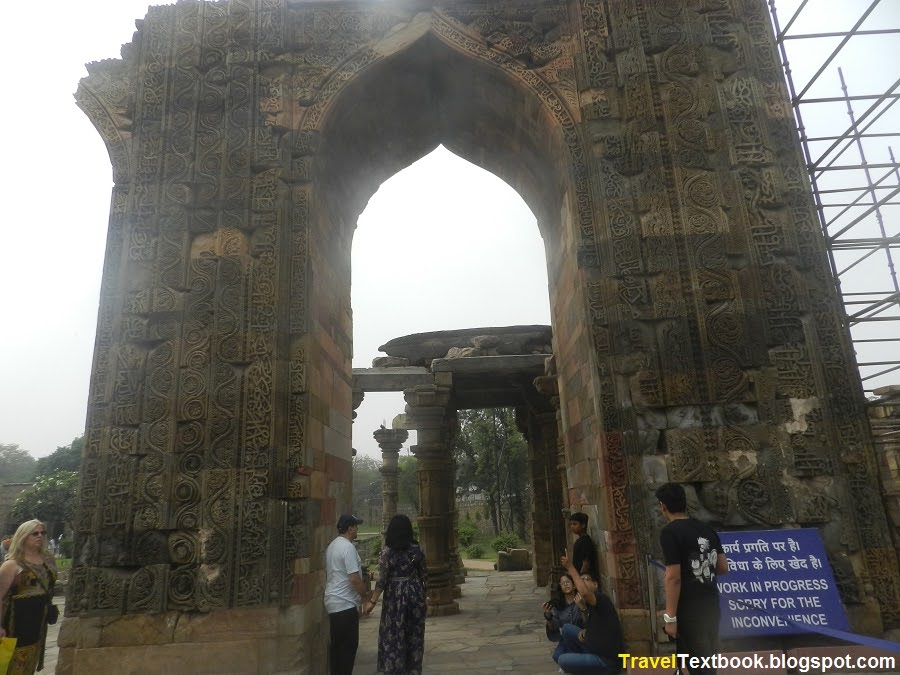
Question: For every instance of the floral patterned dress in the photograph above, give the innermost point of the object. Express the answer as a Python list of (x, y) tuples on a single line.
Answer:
[(401, 637), (25, 615)]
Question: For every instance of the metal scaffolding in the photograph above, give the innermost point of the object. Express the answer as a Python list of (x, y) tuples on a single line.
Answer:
[(842, 67)]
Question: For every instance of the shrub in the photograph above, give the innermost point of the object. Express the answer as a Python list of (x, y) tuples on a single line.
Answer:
[(506, 540), (475, 551), (466, 534), (65, 547)]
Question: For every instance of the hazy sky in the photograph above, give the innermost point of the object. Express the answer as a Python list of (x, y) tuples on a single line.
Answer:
[(471, 252)]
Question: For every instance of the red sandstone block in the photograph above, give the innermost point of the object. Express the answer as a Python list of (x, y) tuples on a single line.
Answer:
[(302, 589), (328, 512), (575, 500), (341, 398), (318, 488), (338, 469), (619, 542), (575, 433), (315, 434)]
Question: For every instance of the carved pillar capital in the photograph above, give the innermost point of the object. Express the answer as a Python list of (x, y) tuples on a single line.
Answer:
[(390, 441)]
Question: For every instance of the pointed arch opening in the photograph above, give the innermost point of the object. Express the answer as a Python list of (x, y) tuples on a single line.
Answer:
[(424, 92)]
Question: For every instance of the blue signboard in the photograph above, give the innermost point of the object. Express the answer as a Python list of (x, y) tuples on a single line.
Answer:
[(775, 575)]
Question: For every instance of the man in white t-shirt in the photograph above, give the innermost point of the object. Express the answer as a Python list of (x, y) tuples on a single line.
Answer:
[(344, 589)]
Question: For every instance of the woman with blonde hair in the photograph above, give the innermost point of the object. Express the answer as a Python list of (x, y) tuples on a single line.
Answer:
[(26, 596)]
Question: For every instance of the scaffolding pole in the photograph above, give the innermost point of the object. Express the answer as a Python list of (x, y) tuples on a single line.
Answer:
[(853, 172)]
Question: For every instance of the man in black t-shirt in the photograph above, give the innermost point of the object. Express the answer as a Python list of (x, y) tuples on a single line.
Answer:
[(584, 553), (694, 557), (596, 647)]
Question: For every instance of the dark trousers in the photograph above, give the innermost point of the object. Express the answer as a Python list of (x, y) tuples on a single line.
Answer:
[(344, 641), (698, 633)]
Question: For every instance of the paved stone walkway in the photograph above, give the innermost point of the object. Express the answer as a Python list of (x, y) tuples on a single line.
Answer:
[(500, 629), (52, 651)]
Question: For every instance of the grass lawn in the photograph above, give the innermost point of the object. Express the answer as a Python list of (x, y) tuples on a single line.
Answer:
[(63, 563), (483, 540)]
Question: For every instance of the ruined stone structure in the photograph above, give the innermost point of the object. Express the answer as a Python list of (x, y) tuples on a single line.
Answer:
[(439, 374), (696, 332)]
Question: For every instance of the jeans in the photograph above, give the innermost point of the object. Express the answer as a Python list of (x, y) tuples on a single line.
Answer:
[(344, 640), (572, 657)]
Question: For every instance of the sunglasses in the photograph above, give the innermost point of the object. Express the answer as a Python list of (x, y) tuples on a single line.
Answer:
[(42, 533)]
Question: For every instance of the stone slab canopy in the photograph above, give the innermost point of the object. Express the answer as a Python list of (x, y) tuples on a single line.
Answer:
[(470, 373), (697, 335), (422, 348), (490, 367)]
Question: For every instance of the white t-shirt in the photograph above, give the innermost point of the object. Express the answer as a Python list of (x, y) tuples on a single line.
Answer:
[(341, 560)]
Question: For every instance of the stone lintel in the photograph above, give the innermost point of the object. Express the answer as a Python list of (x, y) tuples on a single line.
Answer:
[(490, 398), (390, 379), (528, 364)]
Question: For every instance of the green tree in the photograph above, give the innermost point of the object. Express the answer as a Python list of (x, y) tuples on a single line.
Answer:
[(50, 499), (64, 458), (16, 465), (492, 459), (466, 533), (366, 485)]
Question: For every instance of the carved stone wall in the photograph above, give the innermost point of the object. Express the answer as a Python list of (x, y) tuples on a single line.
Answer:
[(697, 333)]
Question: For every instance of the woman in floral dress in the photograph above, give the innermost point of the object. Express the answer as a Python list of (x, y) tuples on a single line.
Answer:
[(402, 576), (26, 596)]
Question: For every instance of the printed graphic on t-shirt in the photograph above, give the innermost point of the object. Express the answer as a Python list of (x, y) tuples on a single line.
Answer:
[(703, 564)]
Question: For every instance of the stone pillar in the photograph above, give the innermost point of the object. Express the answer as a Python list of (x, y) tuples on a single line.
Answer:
[(547, 431), (538, 516), (429, 408), (459, 572), (549, 524), (390, 442)]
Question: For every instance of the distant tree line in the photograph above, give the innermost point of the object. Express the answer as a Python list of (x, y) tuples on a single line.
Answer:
[(491, 460), (52, 497)]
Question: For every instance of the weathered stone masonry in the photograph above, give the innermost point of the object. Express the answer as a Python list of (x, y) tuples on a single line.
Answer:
[(697, 334)]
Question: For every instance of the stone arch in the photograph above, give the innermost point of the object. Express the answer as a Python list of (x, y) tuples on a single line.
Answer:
[(698, 335), (432, 83), (422, 35)]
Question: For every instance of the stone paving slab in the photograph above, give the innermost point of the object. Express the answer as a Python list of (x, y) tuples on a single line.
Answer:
[(499, 629), (51, 652), (487, 637)]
